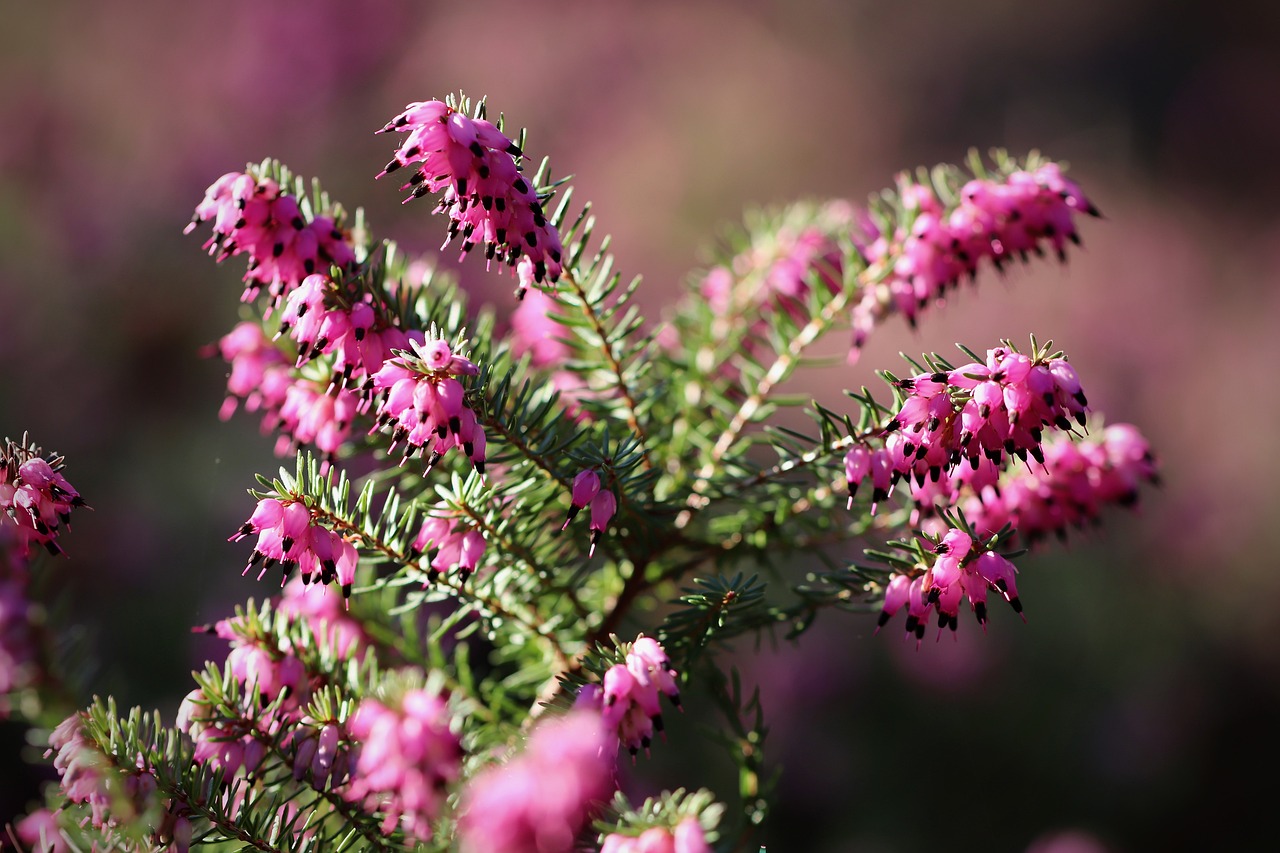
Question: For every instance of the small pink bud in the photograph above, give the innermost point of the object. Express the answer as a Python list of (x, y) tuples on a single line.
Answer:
[(603, 506), (585, 487)]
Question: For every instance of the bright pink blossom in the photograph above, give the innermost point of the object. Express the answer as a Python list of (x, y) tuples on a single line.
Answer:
[(455, 547), (933, 247), (408, 756), (288, 535), (628, 696), (424, 405), (476, 167), (251, 215), (543, 799)]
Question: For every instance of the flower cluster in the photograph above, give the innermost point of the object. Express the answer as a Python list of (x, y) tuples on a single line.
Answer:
[(424, 404), (777, 271), (456, 548), (322, 321), (288, 535), (1078, 479), (961, 569), (961, 416), (687, 837), (628, 696), (89, 776), (477, 168), (252, 215), (302, 409), (540, 801), (407, 756), (35, 499), (936, 246)]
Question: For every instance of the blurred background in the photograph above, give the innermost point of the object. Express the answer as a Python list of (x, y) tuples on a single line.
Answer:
[(1139, 704)]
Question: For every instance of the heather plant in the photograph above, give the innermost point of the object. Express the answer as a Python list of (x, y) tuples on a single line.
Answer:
[(511, 543)]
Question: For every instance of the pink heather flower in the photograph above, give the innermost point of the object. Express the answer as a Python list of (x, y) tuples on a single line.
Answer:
[(585, 488), (986, 410), (688, 837), (477, 168), (456, 547), (35, 499), (251, 215), (407, 757), (40, 833), (603, 506), (321, 321), (321, 753), (288, 535), (541, 800), (628, 697), (322, 610), (230, 743), (259, 371), (89, 776), (424, 404), (934, 246), (958, 573), (1080, 477)]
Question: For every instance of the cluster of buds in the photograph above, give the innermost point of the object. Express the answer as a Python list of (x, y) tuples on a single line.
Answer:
[(1078, 479), (321, 754), (288, 535), (936, 246), (961, 569), (777, 271), (35, 499), (89, 776), (587, 490), (302, 409), (321, 321), (264, 671), (456, 548), (543, 798), (407, 756), (330, 624), (477, 168), (424, 404), (993, 410), (253, 216), (687, 837), (628, 697)]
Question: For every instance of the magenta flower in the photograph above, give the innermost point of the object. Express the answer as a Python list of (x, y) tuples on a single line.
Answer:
[(35, 499), (456, 547), (959, 571), (687, 837), (253, 216), (543, 799), (628, 697), (477, 169), (937, 246), (290, 537), (424, 404), (585, 488), (408, 754), (603, 506)]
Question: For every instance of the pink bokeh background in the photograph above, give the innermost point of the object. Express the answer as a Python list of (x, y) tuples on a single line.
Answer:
[(1125, 716)]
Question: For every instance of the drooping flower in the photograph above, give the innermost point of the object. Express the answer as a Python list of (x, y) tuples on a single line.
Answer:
[(252, 215), (290, 536), (586, 485), (541, 800), (1078, 480), (959, 571), (934, 245), (476, 168), (456, 547), (408, 755), (35, 499), (628, 697), (424, 405)]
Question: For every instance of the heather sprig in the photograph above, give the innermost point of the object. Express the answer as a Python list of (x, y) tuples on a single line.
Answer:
[(485, 498)]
